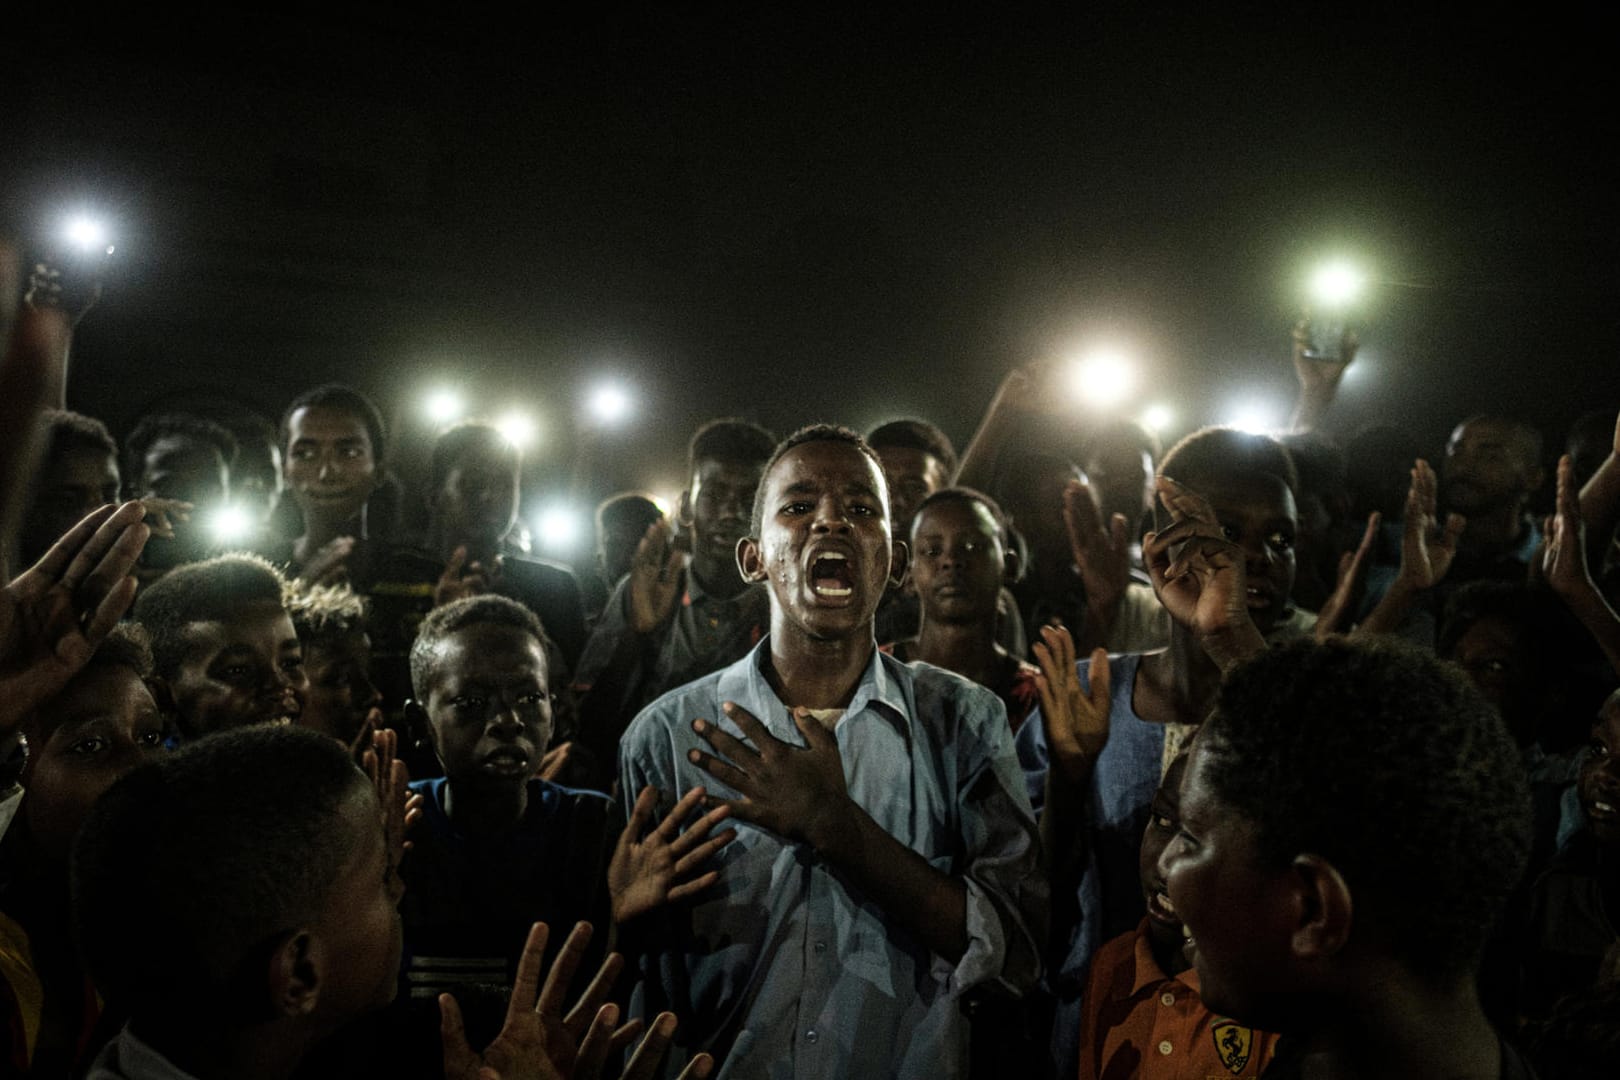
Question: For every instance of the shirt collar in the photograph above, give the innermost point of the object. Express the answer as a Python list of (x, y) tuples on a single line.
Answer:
[(1147, 972), (745, 683)]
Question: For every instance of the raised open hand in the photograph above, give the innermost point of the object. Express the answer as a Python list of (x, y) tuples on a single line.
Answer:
[(55, 614), (401, 807), (661, 866), (798, 792), (1075, 722), (1562, 559), (1352, 569), (655, 578), (1101, 552), (1199, 575), (538, 1040), (1427, 549)]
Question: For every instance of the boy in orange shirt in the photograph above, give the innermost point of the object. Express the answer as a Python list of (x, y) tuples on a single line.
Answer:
[(1142, 1016)]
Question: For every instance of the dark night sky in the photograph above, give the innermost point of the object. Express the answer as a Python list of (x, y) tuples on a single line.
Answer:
[(812, 216)]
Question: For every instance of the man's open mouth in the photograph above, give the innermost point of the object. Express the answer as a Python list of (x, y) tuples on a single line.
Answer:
[(831, 575)]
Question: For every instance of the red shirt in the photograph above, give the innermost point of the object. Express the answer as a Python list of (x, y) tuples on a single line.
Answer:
[(1139, 1022)]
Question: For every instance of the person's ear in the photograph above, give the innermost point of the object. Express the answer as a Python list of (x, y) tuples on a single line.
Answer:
[(1323, 910), (899, 563), (420, 727), (294, 975), (683, 509), (750, 562), (1012, 567)]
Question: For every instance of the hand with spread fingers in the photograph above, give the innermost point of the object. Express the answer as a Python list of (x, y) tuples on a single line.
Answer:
[(1341, 603), (538, 1040), (655, 578), (1102, 553), (1427, 548), (1199, 575), (797, 792), (662, 866), (55, 614), (1076, 722), (401, 807)]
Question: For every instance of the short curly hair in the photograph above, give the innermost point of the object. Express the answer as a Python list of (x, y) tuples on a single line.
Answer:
[(1210, 454), (809, 434), (1386, 762), (325, 613), (224, 843), (208, 591), (152, 428), (916, 435), (441, 622)]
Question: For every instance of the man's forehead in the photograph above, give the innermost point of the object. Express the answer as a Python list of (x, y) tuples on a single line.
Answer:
[(826, 462), (1250, 491), (955, 515), (322, 422), (908, 460), (726, 470)]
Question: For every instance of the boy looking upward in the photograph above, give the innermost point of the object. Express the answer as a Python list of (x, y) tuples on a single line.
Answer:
[(886, 861), (1353, 820), (224, 648)]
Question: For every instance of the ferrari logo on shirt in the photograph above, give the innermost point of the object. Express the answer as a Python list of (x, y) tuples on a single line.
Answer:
[(1234, 1043)]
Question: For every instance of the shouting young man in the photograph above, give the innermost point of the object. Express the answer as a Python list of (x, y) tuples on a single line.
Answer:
[(886, 862)]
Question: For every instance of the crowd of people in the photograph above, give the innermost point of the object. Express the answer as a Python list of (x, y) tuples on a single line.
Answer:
[(1069, 754)]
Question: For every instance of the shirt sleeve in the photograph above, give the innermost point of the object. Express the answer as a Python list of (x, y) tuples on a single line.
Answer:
[(1007, 901)]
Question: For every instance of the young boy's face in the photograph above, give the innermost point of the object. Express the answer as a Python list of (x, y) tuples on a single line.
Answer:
[(359, 928), (478, 502), (340, 691), (490, 706), (331, 464), (957, 563), (1599, 782), (1164, 819), (1256, 511), (102, 725), (720, 501), (1233, 906), (824, 545), (248, 670)]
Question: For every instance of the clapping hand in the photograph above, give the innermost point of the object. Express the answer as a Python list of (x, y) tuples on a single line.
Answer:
[(657, 867), (655, 578), (539, 1041), (1076, 722), (1427, 548)]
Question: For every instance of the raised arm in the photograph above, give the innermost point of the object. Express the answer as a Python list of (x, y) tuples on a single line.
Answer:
[(1427, 550), (1600, 503), (1318, 377), (1563, 566)]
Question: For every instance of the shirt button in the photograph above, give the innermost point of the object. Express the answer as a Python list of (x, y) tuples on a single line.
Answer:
[(821, 946), (811, 1036), (1165, 1048), (1168, 998)]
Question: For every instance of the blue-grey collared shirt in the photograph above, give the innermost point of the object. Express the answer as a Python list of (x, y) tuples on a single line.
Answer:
[(784, 969)]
